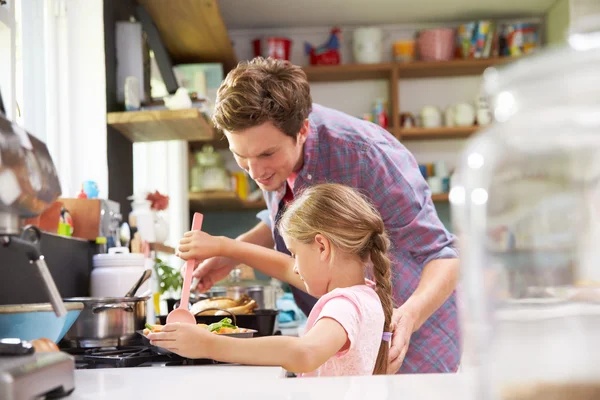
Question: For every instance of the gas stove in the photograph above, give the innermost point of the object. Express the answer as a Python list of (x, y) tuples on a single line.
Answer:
[(129, 357), (136, 353)]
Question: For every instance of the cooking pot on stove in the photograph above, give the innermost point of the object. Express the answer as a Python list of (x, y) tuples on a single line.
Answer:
[(106, 321)]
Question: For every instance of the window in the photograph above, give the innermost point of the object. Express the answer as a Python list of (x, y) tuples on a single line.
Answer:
[(54, 85), (7, 52)]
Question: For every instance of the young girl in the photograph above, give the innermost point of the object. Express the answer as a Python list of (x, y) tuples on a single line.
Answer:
[(332, 233)]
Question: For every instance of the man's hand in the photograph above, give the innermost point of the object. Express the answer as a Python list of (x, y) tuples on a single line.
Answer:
[(187, 340), (206, 250), (211, 271), (403, 323)]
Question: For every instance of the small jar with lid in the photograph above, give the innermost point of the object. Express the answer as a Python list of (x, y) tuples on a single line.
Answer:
[(114, 273)]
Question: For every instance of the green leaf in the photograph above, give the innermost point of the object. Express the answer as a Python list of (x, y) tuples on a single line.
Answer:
[(224, 323), (168, 277)]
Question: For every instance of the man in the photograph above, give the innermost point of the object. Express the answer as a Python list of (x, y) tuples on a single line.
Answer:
[(286, 143)]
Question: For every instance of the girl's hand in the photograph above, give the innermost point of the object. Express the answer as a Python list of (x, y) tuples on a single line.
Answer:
[(200, 246), (187, 340)]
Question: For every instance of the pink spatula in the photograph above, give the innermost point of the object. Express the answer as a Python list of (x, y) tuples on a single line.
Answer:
[(182, 314)]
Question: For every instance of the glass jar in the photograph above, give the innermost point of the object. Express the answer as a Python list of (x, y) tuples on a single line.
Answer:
[(209, 173), (526, 207)]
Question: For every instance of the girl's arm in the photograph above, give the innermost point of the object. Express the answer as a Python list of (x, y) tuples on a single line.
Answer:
[(200, 246), (305, 354)]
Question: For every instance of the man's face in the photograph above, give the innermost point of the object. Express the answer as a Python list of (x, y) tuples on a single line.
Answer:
[(268, 154)]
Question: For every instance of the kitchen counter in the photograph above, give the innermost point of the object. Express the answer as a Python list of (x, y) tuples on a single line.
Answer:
[(258, 383)]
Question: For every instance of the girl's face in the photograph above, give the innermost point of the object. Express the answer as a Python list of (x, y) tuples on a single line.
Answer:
[(312, 263)]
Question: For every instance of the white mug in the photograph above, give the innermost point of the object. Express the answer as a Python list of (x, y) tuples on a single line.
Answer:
[(367, 45), (431, 117), (441, 169), (435, 184), (464, 114)]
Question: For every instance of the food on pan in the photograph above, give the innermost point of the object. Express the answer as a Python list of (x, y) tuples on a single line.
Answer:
[(222, 327), (152, 328), (243, 305)]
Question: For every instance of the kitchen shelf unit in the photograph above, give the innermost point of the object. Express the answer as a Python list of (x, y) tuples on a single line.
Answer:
[(440, 197), (162, 248), (155, 125), (435, 133), (393, 72)]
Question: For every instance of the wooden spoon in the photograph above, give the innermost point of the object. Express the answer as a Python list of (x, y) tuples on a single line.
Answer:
[(182, 314)]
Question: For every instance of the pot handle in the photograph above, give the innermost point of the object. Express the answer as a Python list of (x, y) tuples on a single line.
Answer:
[(107, 307)]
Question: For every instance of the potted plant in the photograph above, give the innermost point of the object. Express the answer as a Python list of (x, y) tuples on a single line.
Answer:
[(169, 281)]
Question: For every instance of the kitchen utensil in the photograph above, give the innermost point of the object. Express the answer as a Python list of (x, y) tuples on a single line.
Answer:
[(248, 334), (182, 314), (262, 321), (36, 376), (106, 322), (36, 321), (145, 276), (264, 295), (436, 44), (367, 45), (113, 274), (159, 350)]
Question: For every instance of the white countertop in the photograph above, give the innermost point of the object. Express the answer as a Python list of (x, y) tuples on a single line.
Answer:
[(258, 383)]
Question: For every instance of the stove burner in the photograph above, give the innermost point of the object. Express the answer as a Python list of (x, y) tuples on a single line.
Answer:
[(101, 343), (128, 357)]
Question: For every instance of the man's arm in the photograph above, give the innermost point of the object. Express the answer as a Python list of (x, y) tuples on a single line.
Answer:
[(260, 235), (391, 177), (394, 183), (212, 270), (438, 281), (268, 261)]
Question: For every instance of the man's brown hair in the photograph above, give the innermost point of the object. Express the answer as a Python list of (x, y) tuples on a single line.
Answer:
[(260, 91)]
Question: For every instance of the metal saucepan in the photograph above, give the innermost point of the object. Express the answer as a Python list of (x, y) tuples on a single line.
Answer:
[(107, 321)]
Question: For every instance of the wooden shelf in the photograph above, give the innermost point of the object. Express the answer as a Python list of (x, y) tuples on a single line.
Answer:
[(199, 34), (161, 248), (435, 133), (440, 197), (460, 67), (348, 72), (417, 69), (222, 201), (155, 125)]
